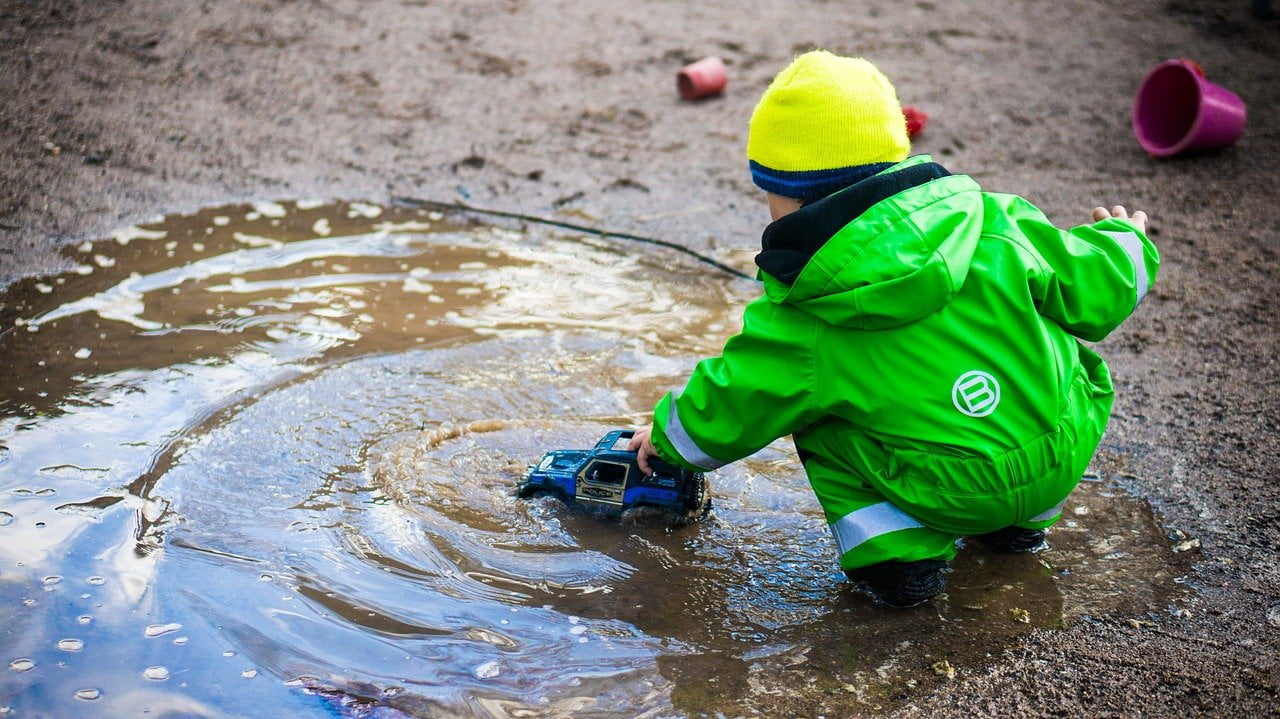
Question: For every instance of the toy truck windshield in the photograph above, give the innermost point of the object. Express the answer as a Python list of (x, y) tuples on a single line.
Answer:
[(563, 460)]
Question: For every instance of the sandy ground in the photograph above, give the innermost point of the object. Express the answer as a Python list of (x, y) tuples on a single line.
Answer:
[(113, 112)]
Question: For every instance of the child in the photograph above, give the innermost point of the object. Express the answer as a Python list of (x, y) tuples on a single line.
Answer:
[(916, 337)]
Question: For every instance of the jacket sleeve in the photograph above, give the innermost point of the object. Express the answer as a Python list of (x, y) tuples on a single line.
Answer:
[(759, 389), (1094, 276)]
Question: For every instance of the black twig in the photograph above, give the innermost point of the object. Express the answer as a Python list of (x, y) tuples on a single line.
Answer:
[(457, 206)]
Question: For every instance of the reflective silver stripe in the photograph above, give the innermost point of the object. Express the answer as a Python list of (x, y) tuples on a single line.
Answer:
[(870, 522), (685, 445), (1132, 247), (1049, 513)]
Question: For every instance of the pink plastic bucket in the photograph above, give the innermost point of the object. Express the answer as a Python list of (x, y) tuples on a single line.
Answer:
[(1177, 109), (703, 78)]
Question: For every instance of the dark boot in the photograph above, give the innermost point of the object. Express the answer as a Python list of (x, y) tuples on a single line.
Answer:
[(902, 584), (1014, 539)]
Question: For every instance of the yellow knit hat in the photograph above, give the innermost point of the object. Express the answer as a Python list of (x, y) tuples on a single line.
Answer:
[(821, 115)]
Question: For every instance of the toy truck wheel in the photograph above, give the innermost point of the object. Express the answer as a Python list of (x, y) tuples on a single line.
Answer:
[(698, 500)]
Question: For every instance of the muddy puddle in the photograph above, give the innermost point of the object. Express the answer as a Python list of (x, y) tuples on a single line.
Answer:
[(260, 460)]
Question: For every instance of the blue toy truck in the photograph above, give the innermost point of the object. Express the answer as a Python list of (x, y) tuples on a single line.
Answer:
[(607, 477)]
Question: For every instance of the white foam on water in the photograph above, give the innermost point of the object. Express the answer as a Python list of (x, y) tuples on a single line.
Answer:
[(123, 302), (270, 209), (125, 235)]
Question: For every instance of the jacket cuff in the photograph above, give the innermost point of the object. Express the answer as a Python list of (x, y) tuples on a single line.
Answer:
[(1138, 247), (673, 443)]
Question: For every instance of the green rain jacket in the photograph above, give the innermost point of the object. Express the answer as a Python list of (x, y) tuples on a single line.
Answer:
[(918, 335)]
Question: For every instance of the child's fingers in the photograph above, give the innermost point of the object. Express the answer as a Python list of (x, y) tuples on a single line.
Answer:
[(1139, 217), (642, 459), (639, 444)]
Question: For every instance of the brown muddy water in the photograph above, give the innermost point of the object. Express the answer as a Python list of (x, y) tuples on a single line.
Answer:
[(260, 460)]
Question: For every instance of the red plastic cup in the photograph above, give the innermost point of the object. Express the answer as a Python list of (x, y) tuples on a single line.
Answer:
[(1176, 109), (703, 78)]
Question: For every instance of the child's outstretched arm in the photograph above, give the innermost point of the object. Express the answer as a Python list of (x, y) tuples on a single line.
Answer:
[(1091, 277), (759, 389)]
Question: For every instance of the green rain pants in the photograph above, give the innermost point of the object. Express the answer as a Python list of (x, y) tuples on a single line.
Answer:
[(918, 503)]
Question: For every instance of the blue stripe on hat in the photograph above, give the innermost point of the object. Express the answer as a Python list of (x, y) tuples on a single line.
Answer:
[(811, 185)]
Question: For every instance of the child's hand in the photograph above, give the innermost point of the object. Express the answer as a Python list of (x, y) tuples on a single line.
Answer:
[(1139, 217), (643, 447)]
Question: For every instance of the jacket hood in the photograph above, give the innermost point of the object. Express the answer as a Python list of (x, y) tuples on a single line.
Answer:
[(885, 252)]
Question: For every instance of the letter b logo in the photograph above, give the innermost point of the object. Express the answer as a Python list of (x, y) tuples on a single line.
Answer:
[(976, 393)]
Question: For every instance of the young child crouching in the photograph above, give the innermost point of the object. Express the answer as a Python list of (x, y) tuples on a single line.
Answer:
[(917, 337)]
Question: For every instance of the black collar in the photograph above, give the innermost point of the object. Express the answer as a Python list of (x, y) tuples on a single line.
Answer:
[(789, 243)]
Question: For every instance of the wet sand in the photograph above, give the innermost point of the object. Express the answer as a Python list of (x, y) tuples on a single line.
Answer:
[(114, 114)]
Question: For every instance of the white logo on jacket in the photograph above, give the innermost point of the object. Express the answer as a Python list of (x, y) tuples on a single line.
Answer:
[(976, 393)]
